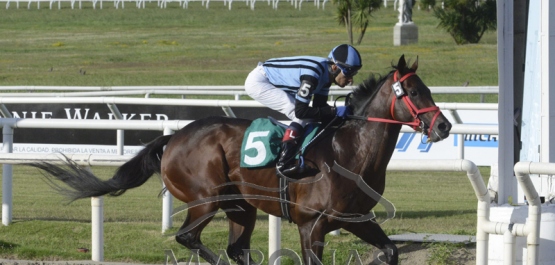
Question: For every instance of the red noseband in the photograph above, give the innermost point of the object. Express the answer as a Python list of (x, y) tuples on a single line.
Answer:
[(415, 112)]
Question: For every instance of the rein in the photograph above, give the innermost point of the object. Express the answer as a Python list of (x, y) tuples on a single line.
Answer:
[(415, 112)]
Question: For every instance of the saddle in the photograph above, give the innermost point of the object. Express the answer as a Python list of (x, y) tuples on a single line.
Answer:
[(262, 142), (261, 148)]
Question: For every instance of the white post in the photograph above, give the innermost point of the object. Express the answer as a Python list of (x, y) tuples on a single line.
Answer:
[(120, 141), (274, 238), (7, 175), (97, 223), (507, 182), (533, 223), (460, 138), (509, 240), (482, 237), (167, 201)]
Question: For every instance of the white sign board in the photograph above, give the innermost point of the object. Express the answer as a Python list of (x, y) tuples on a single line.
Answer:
[(480, 149)]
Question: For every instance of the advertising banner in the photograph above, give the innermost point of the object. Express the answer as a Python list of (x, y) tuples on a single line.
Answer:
[(479, 148)]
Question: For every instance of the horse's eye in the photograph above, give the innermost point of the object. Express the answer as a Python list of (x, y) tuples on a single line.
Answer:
[(414, 93)]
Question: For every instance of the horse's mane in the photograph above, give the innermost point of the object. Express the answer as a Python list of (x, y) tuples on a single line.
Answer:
[(366, 91)]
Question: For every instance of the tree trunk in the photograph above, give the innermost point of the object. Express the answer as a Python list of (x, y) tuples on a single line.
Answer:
[(362, 31), (349, 25), (346, 22)]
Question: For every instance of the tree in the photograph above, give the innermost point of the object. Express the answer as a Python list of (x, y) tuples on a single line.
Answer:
[(467, 20), (355, 13)]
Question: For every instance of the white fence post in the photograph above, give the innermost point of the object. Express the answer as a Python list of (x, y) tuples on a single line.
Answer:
[(167, 200), (7, 172), (274, 239), (97, 233)]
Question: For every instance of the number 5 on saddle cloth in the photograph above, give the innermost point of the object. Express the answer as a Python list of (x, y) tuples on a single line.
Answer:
[(262, 142)]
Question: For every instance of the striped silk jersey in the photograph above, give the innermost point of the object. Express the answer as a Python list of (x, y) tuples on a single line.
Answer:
[(288, 73)]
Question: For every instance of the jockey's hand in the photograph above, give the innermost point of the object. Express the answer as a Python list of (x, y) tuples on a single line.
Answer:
[(343, 111)]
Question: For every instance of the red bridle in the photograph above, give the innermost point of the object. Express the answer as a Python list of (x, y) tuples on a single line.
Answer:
[(415, 112)]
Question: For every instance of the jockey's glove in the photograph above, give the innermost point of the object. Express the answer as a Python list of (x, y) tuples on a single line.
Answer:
[(343, 111)]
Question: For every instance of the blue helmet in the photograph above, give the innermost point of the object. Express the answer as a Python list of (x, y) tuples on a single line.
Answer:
[(347, 58)]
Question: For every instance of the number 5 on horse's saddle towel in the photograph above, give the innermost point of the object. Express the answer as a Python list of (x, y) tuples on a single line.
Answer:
[(262, 142)]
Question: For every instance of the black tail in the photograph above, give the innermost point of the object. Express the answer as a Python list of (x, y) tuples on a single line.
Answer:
[(83, 184)]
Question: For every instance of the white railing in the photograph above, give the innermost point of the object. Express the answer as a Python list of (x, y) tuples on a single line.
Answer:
[(434, 89), (236, 91), (484, 227), (159, 3), (227, 105), (195, 102)]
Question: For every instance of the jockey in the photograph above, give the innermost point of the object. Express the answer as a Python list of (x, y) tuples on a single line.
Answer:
[(289, 84)]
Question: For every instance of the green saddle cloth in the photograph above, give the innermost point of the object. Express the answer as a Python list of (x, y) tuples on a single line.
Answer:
[(262, 142)]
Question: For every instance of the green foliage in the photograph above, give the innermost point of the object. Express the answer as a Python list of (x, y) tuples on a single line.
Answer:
[(355, 13), (467, 20)]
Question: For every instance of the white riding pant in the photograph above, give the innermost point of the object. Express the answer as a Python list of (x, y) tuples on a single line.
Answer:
[(260, 89)]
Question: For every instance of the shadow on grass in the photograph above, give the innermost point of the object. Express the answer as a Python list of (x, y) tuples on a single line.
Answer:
[(56, 219), (264, 217), (6, 247), (398, 215), (429, 214)]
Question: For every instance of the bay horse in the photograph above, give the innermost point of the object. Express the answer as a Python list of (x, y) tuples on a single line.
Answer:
[(201, 162)]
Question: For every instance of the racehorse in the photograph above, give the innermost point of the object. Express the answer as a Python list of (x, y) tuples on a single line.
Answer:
[(200, 166)]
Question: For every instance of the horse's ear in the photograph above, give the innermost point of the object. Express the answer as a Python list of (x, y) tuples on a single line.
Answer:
[(415, 65), (402, 64)]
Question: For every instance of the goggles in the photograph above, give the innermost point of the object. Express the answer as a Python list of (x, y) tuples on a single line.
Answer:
[(347, 70)]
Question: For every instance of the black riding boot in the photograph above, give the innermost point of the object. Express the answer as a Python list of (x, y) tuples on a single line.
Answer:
[(287, 164)]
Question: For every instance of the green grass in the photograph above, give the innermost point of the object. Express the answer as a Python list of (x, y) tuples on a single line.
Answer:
[(215, 46), (45, 227)]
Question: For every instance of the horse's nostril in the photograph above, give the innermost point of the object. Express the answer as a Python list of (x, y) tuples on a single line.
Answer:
[(444, 126)]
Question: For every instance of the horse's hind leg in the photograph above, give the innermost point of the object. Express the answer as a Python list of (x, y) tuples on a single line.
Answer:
[(373, 234), (242, 218), (189, 233)]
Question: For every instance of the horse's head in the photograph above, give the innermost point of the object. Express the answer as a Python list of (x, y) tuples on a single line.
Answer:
[(419, 106), (401, 98)]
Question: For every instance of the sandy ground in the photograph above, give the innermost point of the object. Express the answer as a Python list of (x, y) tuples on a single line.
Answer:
[(414, 253)]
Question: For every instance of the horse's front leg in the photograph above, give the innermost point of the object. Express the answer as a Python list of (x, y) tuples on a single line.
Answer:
[(373, 234), (312, 242)]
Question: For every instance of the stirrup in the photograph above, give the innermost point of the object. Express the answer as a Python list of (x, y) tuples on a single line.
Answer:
[(292, 170)]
